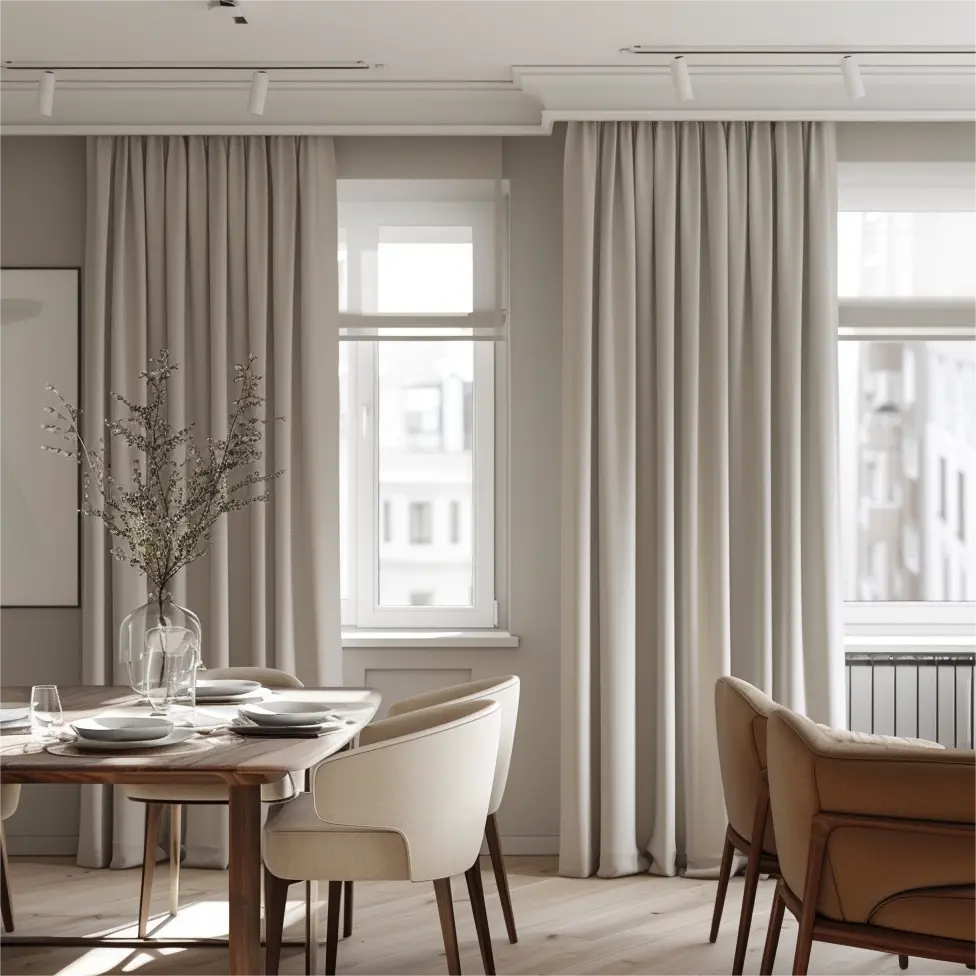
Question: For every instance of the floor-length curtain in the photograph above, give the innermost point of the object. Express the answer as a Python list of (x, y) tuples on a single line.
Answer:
[(216, 248), (699, 471)]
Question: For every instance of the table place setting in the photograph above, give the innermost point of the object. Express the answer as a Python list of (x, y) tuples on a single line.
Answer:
[(284, 718), (224, 707)]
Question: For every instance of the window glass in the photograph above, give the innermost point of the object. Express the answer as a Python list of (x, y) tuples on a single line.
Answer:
[(885, 254), (906, 457), (425, 270), (424, 454)]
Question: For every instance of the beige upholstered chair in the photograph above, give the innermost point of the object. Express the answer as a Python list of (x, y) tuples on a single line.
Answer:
[(740, 721), (876, 844), (410, 805), (504, 690), (9, 798), (158, 797)]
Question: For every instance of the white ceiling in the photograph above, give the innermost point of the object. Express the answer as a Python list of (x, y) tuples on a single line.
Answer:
[(500, 66), (474, 40)]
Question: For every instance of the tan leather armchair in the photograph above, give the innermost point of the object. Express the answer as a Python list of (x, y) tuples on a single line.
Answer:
[(740, 720), (876, 844)]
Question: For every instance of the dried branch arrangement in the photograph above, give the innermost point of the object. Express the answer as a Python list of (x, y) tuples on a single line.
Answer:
[(163, 514)]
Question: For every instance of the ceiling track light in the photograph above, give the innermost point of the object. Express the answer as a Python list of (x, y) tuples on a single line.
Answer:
[(681, 79), (259, 93), (852, 77), (45, 93)]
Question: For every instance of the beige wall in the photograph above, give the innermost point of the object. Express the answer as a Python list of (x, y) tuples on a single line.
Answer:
[(42, 224), (534, 168)]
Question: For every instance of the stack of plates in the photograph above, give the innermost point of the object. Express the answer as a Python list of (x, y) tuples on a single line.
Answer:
[(124, 733), (228, 691), (14, 716), (288, 718)]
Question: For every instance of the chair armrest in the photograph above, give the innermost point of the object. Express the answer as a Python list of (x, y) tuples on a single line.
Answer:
[(912, 783)]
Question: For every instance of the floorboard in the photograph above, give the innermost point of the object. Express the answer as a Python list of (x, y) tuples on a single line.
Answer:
[(640, 924)]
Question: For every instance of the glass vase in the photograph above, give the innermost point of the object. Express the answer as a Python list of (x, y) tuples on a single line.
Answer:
[(160, 649)]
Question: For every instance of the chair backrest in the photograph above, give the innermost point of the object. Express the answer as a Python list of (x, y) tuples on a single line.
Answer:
[(269, 677), (741, 711), (505, 691), (9, 798), (431, 784)]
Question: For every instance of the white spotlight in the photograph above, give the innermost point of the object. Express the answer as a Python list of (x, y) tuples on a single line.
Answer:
[(45, 93), (259, 93), (681, 79), (852, 77)]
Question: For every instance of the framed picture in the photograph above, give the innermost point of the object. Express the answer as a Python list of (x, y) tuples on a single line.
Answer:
[(40, 527)]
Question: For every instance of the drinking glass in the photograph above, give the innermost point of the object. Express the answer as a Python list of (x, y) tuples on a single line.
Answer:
[(45, 711)]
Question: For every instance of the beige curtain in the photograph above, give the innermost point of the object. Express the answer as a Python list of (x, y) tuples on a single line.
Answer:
[(216, 248), (699, 481)]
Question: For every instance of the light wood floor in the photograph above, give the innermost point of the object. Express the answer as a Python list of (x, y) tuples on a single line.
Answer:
[(630, 925)]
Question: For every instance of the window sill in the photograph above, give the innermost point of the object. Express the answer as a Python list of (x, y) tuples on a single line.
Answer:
[(418, 639)]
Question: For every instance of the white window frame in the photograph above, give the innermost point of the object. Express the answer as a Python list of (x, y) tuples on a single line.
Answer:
[(362, 609)]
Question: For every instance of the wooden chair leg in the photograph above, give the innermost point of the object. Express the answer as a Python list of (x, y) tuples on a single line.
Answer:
[(332, 927), (819, 832), (445, 908), (175, 853), (313, 935), (153, 811), (752, 874), (723, 886), (346, 909), (6, 898), (772, 933), (745, 915), (902, 962), (275, 899), (501, 876), (476, 892)]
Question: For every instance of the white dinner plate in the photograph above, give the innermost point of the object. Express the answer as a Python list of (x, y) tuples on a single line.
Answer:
[(13, 712), (253, 696), (226, 688), (99, 745), (287, 712), (124, 728), (248, 728)]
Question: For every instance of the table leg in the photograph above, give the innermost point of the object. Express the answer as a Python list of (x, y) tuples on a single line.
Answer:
[(245, 881)]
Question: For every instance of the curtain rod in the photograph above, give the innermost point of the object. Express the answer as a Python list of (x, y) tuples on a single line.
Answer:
[(149, 66), (641, 49)]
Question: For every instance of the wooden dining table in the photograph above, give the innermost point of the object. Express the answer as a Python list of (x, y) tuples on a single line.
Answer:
[(244, 765)]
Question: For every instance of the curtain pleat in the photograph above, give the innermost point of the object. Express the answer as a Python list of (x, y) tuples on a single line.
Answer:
[(699, 468), (216, 248)]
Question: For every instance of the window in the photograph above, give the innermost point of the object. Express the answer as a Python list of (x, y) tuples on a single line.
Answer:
[(961, 507), (421, 314), (907, 373), (455, 520), (943, 491), (421, 524)]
